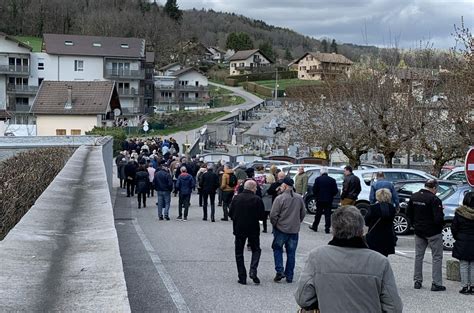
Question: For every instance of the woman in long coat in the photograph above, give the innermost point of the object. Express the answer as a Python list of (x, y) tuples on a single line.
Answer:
[(142, 181), (121, 172), (380, 236), (462, 229)]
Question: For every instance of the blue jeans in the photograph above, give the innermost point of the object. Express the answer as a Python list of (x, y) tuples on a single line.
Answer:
[(164, 200), (290, 242)]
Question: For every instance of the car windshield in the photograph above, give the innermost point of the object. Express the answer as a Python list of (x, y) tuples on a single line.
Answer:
[(446, 193)]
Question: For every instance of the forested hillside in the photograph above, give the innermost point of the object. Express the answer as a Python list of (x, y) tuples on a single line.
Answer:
[(151, 21)]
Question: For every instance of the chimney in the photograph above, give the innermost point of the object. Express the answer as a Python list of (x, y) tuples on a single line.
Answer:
[(68, 104)]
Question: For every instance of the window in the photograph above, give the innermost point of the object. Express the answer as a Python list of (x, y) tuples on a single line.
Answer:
[(75, 132), (68, 43), (78, 66), (124, 46), (460, 176), (241, 64), (124, 88), (40, 65), (234, 64), (197, 84), (411, 188), (60, 132), (412, 176), (40, 80), (196, 95)]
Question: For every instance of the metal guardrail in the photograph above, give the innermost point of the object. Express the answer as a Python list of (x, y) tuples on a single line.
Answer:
[(22, 89)]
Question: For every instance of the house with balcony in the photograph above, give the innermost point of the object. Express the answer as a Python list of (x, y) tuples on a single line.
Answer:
[(248, 61), (322, 66), (184, 89), (18, 85), (93, 58), (74, 107)]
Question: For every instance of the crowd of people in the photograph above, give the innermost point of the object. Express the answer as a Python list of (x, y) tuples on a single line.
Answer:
[(249, 196)]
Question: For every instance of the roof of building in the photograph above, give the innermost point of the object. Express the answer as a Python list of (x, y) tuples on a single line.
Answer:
[(327, 58), (36, 43), (88, 98), (415, 73), (185, 70), (167, 67), (245, 54), (94, 46), (19, 42), (4, 115)]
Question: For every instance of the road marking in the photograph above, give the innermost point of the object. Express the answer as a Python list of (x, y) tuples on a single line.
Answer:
[(177, 297), (233, 110)]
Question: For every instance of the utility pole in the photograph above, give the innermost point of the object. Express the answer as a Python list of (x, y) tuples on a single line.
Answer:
[(276, 85)]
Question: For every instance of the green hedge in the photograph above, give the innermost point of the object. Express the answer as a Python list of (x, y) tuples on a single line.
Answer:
[(262, 90), (119, 134), (235, 80)]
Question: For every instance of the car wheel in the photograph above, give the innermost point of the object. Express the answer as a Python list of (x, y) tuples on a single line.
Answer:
[(311, 206), (363, 208), (448, 240), (401, 224)]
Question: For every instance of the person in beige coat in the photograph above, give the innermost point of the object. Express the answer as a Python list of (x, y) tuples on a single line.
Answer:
[(346, 276), (301, 181)]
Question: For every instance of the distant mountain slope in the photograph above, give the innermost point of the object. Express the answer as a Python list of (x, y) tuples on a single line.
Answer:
[(140, 18)]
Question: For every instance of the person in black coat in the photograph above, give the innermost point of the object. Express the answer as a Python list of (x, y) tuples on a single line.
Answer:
[(324, 190), (379, 219), (246, 209), (274, 189), (130, 172), (209, 185), (462, 229), (142, 179)]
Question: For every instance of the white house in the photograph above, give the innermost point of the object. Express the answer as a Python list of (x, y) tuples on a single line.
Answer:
[(248, 61), (187, 88), (18, 83)]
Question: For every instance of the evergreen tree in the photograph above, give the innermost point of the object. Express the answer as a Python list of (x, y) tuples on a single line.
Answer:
[(334, 46), (239, 41), (267, 50), (173, 11), (288, 55), (324, 46)]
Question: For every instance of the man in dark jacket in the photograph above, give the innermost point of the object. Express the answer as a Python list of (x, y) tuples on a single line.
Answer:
[(163, 185), (246, 209), (324, 191), (185, 186), (425, 210), (274, 189), (350, 187), (209, 185), (130, 172), (142, 180)]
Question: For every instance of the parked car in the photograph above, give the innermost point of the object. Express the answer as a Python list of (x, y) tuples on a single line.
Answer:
[(392, 174), (313, 173), (456, 174), (452, 199), (267, 163), (292, 170), (405, 189)]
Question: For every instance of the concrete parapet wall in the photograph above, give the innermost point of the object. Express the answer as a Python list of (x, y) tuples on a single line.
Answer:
[(64, 254)]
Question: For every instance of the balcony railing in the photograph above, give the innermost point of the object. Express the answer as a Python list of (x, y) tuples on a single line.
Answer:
[(15, 69), (21, 108), (172, 100), (132, 92), (22, 89), (122, 73), (324, 71), (181, 87)]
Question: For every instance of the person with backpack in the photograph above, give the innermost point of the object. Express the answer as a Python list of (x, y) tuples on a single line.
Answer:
[(229, 181)]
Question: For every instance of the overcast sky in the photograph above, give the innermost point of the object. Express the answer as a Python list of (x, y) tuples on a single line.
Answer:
[(375, 22)]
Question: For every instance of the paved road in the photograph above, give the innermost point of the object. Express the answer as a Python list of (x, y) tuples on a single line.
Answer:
[(190, 265)]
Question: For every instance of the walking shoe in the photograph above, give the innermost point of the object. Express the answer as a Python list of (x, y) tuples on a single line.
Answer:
[(255, 279), (179, 218), (213, 220), (278, 277), (327, 231), (242, 282), (204, 219), (167, 218), (185, 219), (289, 281), (312, 228), (465, 290), (435, 287), (144, 205), (471, 290), (224, 219), (160, 218), (418, 285), (264, 231)]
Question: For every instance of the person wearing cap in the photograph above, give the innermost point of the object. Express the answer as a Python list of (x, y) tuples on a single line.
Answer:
[(425, 210), (286, 216), (350, 187)]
